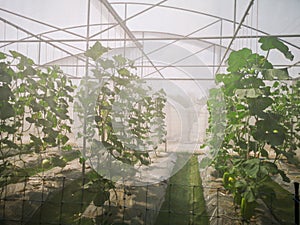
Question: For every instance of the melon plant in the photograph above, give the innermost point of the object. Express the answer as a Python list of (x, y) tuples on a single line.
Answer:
[(253, 122)]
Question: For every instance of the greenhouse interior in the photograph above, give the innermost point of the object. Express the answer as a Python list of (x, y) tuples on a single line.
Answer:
[(149, 112)]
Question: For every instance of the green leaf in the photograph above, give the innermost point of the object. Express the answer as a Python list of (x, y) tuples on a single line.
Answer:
[(276, 74), (5, 93), (269, 43), (5, 77), (49, 140), (264, 153), (10, 144), (6, 111), (268, 168), (50, 101), (120, 60), (35, 106), (67, 147), (249, 195), (231, 83), (257, 105), (7, 128), (240, 184), (270, 131), (30, 120), (248, 92), (29, 71), (252, 82), (45, 123), (124, 72), (2, 55), (100, 198), (96, 51), (64, 139), (36, 140), (106, 64), (238, 59), (251, 167), (58, 161), (16, 54)]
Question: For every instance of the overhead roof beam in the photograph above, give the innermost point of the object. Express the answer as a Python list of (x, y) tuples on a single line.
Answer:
[(105, 2), (235, 34), (181, 59), (128, 32), (36, 36), (175, 39), (204, 14), (42, 23)]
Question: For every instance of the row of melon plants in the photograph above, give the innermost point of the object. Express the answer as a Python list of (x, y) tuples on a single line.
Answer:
[(254, 123)]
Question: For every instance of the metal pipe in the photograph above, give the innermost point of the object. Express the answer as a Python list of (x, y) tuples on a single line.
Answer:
[(296, 199), (234, 16), (235, 34), (111, 10), (36, 36), (127, 31), (40, 22), (158, 38)]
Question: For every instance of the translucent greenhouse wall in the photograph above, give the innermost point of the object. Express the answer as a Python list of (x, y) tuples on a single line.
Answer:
[(178, 46)]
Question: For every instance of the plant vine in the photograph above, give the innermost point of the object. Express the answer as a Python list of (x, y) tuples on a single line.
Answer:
[(253, 122)]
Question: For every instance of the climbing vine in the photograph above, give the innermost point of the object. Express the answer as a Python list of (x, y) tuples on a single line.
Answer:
[(253, 122), (120, 112), (34, 105)]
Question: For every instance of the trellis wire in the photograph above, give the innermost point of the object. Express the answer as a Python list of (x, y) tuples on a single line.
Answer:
[(14, 203)]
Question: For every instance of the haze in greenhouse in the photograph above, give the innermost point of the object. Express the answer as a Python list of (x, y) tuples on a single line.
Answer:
[(149, 112)]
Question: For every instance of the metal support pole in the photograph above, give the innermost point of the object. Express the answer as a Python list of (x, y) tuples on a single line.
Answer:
[(296, 199), (218, 190), (85, 94)]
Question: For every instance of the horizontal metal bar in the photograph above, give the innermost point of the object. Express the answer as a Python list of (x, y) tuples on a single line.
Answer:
[(158, 78), (158, 39), (159, 66), (145, 66)]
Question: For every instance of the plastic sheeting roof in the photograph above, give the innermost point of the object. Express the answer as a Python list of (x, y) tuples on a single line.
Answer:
[(169, 39)]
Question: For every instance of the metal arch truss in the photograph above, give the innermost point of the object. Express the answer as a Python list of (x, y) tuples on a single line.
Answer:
[(70, 49)]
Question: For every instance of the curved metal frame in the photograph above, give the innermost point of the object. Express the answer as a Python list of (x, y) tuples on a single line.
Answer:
[(42, 38)]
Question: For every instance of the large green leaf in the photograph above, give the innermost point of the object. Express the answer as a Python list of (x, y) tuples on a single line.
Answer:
[(268, 168), (269, 43), (248, 93), (231, 82), (258, 62), (252, 82), (120, 60), (4, 75), (238, 59), (257, 105), (16, 54), (6, 111), (124, 72), (96, 51), (36, 140), (276, 74), (23, 60), (10, 144), (270, 131), (5, 93), (249, 195), (251, 167), (2, 55), (106, 63)]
